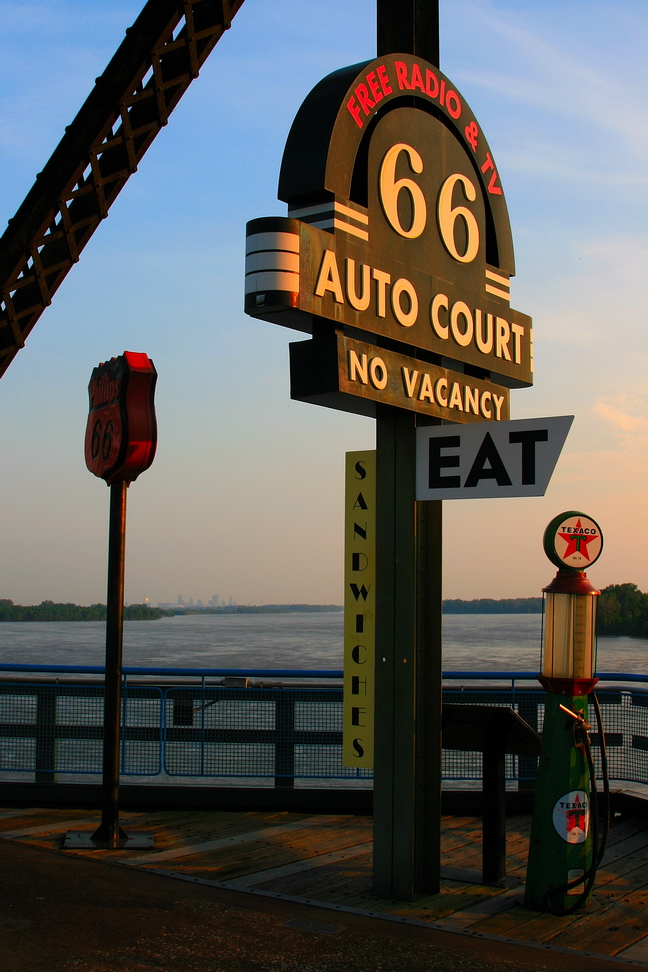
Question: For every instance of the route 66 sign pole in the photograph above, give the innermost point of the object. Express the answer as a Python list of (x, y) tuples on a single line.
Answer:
[(120, 443), (407, 736)]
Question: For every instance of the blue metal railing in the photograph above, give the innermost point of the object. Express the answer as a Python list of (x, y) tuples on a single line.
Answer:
[(174, 672), (286, 672), (200, 723)]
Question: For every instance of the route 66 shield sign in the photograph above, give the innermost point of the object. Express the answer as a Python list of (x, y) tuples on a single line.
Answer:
[(121, 434)]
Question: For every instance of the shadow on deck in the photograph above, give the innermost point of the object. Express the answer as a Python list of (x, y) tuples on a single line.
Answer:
[(325, 860)]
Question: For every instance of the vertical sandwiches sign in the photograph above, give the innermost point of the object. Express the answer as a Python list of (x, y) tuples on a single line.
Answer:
[(359, 608)]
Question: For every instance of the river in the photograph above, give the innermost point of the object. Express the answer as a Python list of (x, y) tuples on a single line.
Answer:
[(306, 641)]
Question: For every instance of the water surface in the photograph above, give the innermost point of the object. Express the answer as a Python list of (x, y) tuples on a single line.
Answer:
[(471, 641)]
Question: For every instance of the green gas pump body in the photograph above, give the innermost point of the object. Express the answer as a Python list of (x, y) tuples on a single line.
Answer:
[(560, 850)]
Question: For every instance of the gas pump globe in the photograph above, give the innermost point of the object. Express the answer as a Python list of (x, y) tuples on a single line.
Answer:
[(562, 851)]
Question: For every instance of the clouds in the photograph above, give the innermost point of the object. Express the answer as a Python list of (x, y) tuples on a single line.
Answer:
[(628, 417), (545, 67)]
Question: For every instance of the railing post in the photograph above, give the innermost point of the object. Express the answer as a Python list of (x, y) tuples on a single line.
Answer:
[(202, 725), (45, 755), (285, 742), (528, 765)]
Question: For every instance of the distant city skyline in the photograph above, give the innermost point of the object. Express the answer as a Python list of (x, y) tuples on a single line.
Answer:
[(246, 491), (214, 601)]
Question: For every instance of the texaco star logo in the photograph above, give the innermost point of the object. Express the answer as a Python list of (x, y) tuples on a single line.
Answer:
[(573, 540), (577, 541)]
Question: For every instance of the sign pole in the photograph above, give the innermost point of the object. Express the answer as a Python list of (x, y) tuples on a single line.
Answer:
[(427, 833), (408, 27), (407, 768), (120, 444), (394, 742), (109, 832)]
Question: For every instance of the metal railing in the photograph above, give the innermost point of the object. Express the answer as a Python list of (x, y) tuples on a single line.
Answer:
[(191, 725)]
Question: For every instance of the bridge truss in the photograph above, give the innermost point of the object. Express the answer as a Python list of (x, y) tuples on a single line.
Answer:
[(131, 101)]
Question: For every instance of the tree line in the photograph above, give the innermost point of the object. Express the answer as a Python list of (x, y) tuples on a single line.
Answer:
[(489, 605), (50, 611), (622, 610)]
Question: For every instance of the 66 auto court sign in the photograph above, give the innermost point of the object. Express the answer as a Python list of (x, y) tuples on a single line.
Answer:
[(398, 237)]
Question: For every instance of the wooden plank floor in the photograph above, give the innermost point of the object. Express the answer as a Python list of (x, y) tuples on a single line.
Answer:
[(328, 859)]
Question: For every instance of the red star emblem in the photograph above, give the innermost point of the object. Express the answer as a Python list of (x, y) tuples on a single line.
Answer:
[(576, 542)]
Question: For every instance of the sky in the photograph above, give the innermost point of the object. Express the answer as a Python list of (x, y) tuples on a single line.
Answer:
[(245, 497)]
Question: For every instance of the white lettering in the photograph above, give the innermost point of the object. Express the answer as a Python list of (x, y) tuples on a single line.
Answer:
[(378, 373), (498, 401), (502, 339), (382, 279), (358, 367), (471, 400), (485, 344), (406, 318), (442, 398), (518, 331), (459, 309), (426, 389), (441, 329), (410, 381), (455, 397), (329, 278), (359, 303), (485, 398)]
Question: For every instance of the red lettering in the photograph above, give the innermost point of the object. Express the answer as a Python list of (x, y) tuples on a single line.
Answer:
[(455, 110), (472, 132), (366, 103), (355, 111), (488, 164), (431, 76), (375, 88), (384, 79), (417, 80), (401, 75), (491, 185), (442, 95)]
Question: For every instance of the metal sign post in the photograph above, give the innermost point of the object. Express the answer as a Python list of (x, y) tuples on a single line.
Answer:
[(407, 767), (407, 772), (109, 833), (120, 443)]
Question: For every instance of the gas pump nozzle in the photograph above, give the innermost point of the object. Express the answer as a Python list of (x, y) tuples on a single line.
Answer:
[(578, 716)]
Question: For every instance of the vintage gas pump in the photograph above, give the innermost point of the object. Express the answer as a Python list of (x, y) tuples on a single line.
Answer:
[(566, 844)]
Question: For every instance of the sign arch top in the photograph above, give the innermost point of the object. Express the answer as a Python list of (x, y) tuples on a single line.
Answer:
[(329, 136)]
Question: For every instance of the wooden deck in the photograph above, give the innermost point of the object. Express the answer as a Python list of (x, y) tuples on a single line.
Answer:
[(327, 859)]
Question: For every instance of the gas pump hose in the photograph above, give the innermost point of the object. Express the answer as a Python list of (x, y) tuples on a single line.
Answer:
[(582, 740)]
